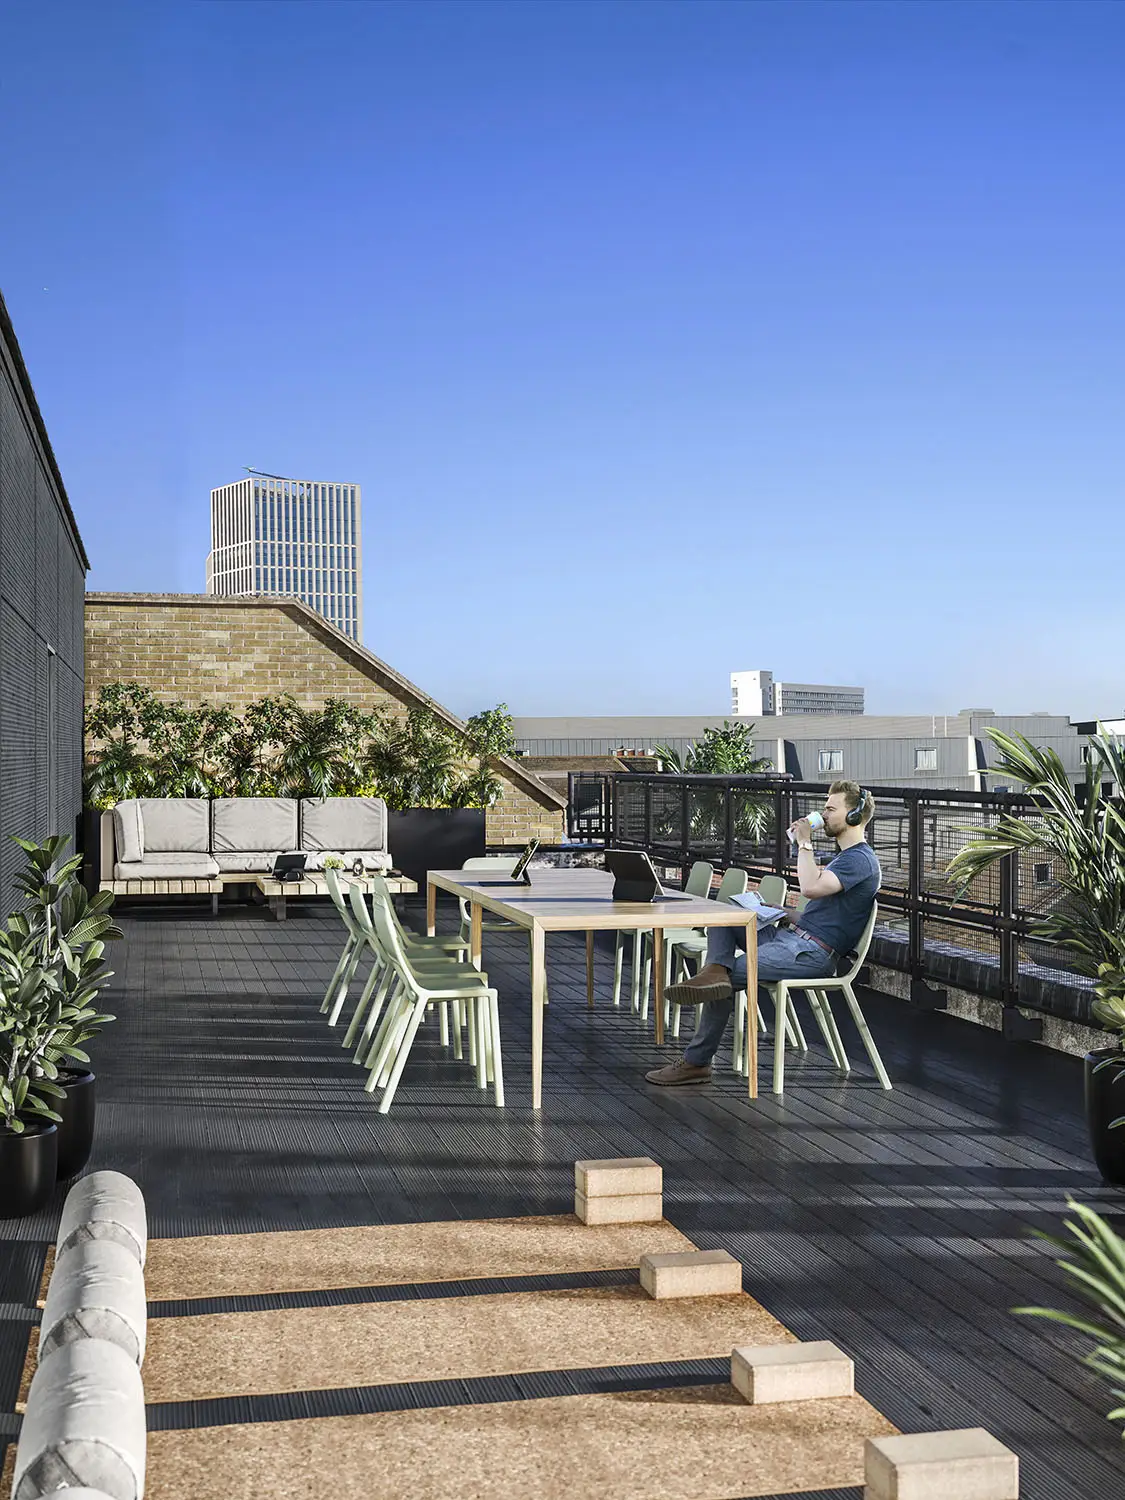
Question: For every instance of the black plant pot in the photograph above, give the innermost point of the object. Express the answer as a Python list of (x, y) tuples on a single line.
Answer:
[(1105, 1102), (28, 1168), (76, 1131)]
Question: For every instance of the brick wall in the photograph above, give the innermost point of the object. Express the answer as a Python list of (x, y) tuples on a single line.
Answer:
[(202, 649)]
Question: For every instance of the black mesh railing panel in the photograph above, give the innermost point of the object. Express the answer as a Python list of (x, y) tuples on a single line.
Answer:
[(946, 829), (889, 835)]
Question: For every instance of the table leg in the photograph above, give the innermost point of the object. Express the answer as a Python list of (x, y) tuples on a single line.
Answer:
[(431, 908), (752, 1010), (476, 915), (658, 981), (538, 987), (277, 906), (590, 970)]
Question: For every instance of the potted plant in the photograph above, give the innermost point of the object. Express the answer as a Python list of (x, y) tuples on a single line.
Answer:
[(64, 932), (1084, 836), (1094, 1260)]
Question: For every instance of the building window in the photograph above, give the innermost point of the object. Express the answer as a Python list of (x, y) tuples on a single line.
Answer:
[(1042, 874), (925, 759), (830, 761)]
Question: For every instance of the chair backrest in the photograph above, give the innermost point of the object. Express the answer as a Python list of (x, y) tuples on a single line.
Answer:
[(733, 883), (332, 881), (376, 925), (773, 889), (862, 945), (698, 882)]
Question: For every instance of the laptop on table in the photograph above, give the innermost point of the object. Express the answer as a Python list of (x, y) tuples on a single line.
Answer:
[(635, 878), (519, 875)]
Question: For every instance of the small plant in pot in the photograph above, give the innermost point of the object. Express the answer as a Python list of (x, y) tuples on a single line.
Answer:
[(1084, 837), (53, 969)]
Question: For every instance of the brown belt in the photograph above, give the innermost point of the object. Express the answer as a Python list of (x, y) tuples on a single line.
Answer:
[(813, 939)]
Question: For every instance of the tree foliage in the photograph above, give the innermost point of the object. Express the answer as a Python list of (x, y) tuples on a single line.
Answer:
[(1085, 835), (139, 745)]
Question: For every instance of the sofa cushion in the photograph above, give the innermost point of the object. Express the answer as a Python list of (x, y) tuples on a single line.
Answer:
[(245, 825), (373, 859), (167, 867), (246, 864), (334, 823), (128, 830), (173, 825)]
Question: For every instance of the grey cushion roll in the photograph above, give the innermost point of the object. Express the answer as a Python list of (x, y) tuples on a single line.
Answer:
[(97, 1291), (85, 1425), (105, 1206)]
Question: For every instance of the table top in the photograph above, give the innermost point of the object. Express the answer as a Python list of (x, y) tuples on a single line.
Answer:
[(314, 884), (580, 900)]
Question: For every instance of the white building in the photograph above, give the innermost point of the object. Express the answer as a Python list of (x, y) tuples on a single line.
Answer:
[(290, 536), (756, 694)]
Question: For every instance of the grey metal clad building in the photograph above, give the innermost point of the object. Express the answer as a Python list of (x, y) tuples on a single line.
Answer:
[(934, 750), (290, 536), (43, 569)]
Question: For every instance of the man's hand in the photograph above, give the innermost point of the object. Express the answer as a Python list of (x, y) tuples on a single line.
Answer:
[(801, 832)]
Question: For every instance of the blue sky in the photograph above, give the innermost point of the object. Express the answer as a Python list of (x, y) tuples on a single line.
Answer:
[(664, 338)]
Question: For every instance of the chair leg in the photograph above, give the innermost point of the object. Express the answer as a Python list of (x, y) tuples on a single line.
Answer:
[(822, 1010), (378, 969), (493, 1003), (780, 994), (336, 1004), (337, 974), (865, 1033), (400, 1060), (479, 1004), (635, 973), (385, 995), (618, 959), (738, 1044)]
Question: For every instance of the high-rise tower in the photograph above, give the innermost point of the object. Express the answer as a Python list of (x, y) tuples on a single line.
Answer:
[(290, 536)]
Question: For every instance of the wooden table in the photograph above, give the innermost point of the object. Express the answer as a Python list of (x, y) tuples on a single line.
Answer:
[(276, 891), (581, 901)]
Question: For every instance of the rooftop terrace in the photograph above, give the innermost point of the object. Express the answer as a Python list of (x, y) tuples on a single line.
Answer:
[(892, 1224)]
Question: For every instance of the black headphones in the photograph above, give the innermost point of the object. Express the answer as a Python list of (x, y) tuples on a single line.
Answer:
[(855, 816)]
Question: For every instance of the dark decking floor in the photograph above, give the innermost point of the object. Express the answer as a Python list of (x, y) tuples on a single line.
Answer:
[(893, 1224)]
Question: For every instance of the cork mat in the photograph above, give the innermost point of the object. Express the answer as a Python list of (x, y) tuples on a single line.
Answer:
[(320, 1348), (702, 1443), (306, 1260)]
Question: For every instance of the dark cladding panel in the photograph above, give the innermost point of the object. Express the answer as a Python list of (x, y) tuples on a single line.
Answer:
[(47, 528), (18, 711), (17, 508)]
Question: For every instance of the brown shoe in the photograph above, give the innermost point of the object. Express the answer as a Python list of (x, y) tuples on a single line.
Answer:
[(679, 1073), (691, 992)]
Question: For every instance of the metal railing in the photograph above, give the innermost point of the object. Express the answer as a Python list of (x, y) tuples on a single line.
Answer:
[(980, 939)]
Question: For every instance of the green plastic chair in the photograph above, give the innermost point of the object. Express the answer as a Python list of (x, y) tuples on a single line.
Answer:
[(412, 991), (692, 945), (498, 864), (818, 991)]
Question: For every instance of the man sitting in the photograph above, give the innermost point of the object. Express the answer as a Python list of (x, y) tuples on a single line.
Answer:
[(840, 900)]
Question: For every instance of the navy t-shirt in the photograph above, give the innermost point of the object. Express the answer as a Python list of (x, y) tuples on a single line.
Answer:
[(840, 919)]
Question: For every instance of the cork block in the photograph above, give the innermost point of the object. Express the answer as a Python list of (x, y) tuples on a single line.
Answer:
[(619, 1177), (636, 1208), (791, 1372), (691, 1273), (967, 1464)]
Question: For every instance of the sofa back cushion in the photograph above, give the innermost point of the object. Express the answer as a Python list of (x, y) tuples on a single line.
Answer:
[(128, 830), (173, 825), (241, 825), (338, 823)]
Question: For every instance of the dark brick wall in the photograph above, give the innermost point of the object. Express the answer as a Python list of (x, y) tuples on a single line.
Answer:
[(42, 584)]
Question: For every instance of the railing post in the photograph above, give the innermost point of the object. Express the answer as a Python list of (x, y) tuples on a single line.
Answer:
[(1009, 947), (685, 829), (782, 807), (649, 841), (917, 926), (728, 826)]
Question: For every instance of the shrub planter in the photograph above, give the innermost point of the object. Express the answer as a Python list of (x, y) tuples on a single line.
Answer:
[(76, 1132), (28, 1168), (1105, 1102), (434, 838)]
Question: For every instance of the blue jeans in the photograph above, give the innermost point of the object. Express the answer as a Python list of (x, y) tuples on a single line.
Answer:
[(782, 954)]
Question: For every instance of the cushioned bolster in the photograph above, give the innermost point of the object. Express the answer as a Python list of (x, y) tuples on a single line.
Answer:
[(245, 825), (333, 823), (168, 867), (85, 1424), (97, 1291), (246, 864), (128, 830), (174, 825), (105, 1206)]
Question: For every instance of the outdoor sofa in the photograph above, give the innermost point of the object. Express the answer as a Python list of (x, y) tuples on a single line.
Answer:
[(194, 846)]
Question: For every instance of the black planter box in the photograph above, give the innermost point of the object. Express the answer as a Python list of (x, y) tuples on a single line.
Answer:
[(434, 838)]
